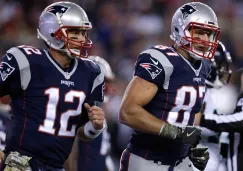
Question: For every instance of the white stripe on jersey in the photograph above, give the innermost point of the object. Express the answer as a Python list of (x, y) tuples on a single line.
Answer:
[(236, 117)]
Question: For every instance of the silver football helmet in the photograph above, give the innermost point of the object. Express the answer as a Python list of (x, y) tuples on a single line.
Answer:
[(188, 17), (54, 23)]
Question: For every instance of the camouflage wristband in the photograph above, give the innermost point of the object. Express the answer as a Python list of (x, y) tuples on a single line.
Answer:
[(168, 131)]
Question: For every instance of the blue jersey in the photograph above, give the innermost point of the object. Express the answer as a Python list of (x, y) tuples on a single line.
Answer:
[(179, 97), (92, 155), (47, 101)]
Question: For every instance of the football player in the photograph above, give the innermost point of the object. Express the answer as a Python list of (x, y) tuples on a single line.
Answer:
[(218, 77), (167, 91), (51, 90), (94, 155)]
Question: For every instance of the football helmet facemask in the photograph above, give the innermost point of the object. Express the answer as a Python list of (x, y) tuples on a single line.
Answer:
[(55, 22), (191, 16)]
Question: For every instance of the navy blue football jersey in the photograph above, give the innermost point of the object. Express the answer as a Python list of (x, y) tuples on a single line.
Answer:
[(47, 101), (92, 155), (181, 88), (4, 121)]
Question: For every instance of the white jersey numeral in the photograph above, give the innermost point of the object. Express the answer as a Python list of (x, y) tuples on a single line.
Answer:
[(71, 113), (48, 125), (30, 49), (182, 106), (202, 90)]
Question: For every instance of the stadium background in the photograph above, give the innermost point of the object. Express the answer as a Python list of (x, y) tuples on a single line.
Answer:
[(121, 30)]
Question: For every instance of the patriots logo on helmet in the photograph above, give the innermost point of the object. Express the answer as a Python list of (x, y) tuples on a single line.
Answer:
[(153, 70), (57, 9), (187, 10), (5, 70)]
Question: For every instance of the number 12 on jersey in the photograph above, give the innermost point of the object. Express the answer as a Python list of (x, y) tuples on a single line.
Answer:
[(48, 125)]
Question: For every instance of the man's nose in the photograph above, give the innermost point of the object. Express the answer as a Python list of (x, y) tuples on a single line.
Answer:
[(205, 37), (81, 37)]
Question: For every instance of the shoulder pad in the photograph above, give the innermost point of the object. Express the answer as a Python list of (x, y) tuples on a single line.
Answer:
[(91, 65), (155, 58), (100, 74), (95, 68), (24, 66), (161, 57)]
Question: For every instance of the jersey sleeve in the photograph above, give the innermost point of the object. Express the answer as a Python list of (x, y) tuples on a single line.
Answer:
[(153, 66), (14, 71), (97, 90), (10, 75), (225, 123)]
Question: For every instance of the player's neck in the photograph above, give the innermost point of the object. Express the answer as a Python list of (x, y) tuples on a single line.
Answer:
[(62, 59), (186, 55)]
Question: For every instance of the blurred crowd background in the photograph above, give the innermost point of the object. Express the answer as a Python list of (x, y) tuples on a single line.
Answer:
[(121, 30)]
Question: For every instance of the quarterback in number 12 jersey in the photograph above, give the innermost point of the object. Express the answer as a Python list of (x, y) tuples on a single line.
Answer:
[(181, 88), (47, 101)]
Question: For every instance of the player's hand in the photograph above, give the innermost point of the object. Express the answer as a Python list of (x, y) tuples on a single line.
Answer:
[(1, 156), (199, 156), (189, 135), (96, 116)]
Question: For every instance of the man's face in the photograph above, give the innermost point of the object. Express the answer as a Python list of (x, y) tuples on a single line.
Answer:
[(202, 35), (78, 35)]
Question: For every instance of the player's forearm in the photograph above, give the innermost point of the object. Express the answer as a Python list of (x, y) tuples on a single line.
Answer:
[(138, 118), (71, 164), (81, 135)]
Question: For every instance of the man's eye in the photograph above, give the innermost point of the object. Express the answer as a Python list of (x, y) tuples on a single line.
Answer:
[(74, 31), (201, 32), (209, 33), (83, 32)]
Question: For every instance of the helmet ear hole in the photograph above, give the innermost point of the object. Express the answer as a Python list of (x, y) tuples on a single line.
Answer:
[(52, 35), (176, 29)]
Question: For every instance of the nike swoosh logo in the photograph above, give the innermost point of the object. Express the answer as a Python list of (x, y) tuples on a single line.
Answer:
[(190, 133), (9, 58), (155, 62)]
